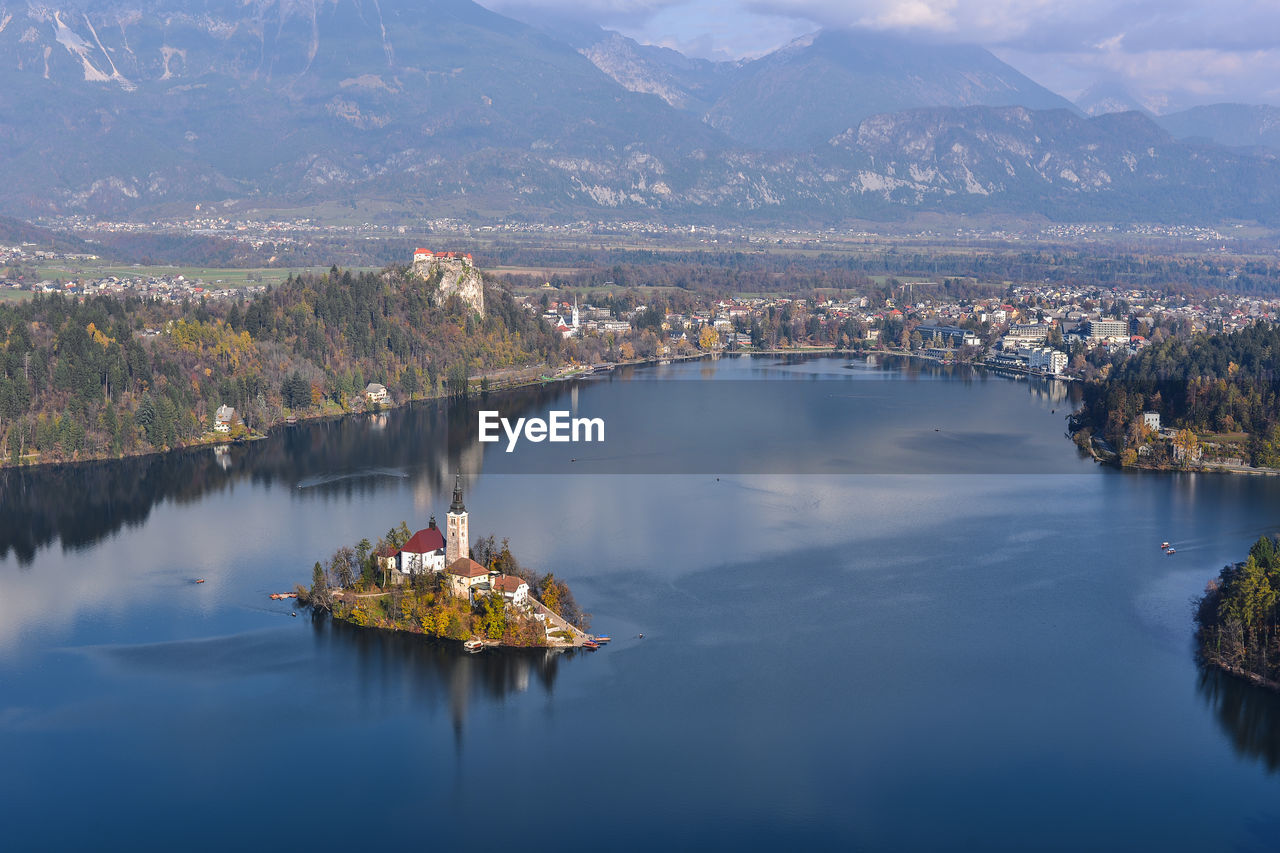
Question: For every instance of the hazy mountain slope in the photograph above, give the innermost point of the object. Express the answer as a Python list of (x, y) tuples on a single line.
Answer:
[(1118, 165), (294, 96), (820, 86), (684, 83), (1237, 125), (442, 108), (1102, 98)]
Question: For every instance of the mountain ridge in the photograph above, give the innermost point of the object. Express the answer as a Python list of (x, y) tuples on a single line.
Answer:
[(444, 108)]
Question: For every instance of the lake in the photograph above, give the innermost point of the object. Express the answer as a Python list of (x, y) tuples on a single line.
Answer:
[(885, 605)]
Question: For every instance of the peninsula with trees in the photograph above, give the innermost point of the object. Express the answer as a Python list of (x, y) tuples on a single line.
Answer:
[(1238, 617), (1208, 402), (434, 583)]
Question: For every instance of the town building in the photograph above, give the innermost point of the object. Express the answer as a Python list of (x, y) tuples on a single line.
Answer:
[(1022, 334), (1101, 330), (952, 336), (1046, 359)]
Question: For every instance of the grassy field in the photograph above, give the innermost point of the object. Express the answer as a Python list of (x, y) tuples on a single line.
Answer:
[(10, 295), (66, 271)]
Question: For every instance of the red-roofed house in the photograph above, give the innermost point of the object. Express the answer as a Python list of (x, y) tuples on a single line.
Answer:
[(514, 589), (465, 573), (423, 255)]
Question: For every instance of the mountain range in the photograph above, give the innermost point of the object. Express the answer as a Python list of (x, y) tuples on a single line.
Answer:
[(444, 108)]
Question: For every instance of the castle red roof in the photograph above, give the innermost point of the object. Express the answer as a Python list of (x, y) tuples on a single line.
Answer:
[(425, 541), (422, 252)]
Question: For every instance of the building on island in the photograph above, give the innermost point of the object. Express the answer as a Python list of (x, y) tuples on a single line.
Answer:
[(512, 588), (456, 527), (431, 550), (465, 574), (424, 552), (447, 552)]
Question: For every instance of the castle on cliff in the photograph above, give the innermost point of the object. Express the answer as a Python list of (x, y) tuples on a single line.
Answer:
[(458, 275)]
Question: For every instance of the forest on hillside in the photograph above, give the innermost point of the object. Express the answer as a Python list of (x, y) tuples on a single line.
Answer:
[(1207, 383), (109, 377)]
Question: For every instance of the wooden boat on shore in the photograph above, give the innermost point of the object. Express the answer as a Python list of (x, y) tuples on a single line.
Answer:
[(601, 640), (590, 645)]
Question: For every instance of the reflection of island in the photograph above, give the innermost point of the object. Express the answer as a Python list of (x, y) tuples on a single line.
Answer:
[(1249, 714), (82, 504), (432, 671)]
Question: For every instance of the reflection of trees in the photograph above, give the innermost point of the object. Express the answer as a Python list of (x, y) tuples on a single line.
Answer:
[(1248, 713), (431, 673), (344, 457)]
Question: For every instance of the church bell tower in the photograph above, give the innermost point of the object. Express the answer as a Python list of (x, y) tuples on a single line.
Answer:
[(456, 542)]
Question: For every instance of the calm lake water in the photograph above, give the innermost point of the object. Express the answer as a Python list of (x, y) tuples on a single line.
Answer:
[(884, 606)]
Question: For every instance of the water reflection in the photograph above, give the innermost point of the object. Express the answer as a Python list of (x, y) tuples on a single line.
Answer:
[(428, 673), (1249, 714), (655, 427), (82, 504)]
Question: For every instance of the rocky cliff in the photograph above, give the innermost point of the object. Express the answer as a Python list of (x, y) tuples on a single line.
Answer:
[(453, 277)]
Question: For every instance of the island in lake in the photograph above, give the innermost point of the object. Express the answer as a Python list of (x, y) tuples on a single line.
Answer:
[(434, 583), (1239, 614)]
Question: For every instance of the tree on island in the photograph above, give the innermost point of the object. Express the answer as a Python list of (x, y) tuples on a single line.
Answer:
[(1238, 615)]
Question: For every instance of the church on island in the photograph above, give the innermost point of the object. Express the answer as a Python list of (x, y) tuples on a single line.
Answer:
[(430, 550)]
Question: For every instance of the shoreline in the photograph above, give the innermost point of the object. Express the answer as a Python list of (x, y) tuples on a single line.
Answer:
[(201, 444), (586, 371), (1244, 675), (1212, 468)]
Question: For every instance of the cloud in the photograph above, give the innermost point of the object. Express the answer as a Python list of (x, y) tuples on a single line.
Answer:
[(1175, 52), (1057, 24), (603, 12)]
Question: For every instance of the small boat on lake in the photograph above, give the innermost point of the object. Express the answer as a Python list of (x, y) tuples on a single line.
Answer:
[(473, 645), (199, 580), (590, 645), (1164, 546), (1172, 551), (601, 640)]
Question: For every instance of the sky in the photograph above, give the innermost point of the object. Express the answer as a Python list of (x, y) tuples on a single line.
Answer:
[(1168, 53)]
